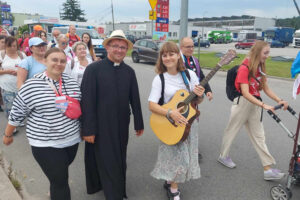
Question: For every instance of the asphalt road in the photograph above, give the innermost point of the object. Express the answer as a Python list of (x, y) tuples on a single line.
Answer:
[(217, 182), (287, 51)]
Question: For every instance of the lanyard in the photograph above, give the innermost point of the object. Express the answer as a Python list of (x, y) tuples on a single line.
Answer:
[(59, 93)]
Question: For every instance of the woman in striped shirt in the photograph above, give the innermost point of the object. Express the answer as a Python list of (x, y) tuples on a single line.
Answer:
[(52, 135)]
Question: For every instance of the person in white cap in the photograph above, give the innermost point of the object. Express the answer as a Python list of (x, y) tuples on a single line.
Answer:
[(33, 64), (109, 95)]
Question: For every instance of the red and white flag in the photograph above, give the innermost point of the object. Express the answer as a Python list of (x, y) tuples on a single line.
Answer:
[(296, 88)]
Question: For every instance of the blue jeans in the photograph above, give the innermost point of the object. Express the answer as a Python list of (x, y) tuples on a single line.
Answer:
[(8, 99)]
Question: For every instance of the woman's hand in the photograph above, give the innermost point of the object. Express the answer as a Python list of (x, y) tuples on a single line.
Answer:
[(199, 90), (177, 117), (7, 140), (89, 139), (284, 103), (267, 107), (11, 72)]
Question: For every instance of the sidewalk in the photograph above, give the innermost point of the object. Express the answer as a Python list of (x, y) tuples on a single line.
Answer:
[(7, 190)]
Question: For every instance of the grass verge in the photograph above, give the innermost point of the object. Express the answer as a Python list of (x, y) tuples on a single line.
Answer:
[(273, 68)]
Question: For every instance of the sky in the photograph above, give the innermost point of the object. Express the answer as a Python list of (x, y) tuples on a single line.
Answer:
[(99, 11)]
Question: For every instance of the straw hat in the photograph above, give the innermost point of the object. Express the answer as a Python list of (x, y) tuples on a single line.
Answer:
[(117, 34)]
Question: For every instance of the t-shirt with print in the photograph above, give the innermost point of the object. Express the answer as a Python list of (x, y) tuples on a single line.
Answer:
[(173, 83), (242, 77), (32, 66)]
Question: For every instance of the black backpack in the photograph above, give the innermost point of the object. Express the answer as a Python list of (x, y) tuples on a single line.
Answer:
[(230, 86), (162, 79)]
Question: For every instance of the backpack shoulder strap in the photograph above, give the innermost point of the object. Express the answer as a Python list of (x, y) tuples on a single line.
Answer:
[(162, 79)]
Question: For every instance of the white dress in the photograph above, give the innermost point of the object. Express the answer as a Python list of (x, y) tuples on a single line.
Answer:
[(178, 163)]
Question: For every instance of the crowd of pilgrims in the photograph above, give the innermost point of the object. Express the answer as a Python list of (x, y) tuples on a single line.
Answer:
[(37, 75)]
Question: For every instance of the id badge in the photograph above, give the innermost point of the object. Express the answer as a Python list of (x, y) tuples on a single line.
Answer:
[(61, 103)]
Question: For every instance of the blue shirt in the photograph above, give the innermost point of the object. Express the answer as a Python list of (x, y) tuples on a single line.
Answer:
[(32, 66)]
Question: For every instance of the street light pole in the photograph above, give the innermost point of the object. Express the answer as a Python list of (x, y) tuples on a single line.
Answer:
[(183, 19), (112, 12)]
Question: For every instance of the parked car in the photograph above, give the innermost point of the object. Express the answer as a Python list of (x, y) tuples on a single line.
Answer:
[(203, 43), (132, 38), (145, 49), (100, 51), (276, 43), (248, 43)]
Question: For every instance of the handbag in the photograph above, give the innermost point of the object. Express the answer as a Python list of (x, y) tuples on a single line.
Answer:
[(68, 105)]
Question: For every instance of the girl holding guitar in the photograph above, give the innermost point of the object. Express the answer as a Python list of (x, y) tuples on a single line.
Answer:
[(247, 109), (175, 163)]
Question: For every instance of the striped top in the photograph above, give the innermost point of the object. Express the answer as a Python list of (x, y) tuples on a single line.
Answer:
[(46, 125)]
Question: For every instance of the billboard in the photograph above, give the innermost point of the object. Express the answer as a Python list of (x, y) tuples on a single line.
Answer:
[(162, 20), (6, 15)]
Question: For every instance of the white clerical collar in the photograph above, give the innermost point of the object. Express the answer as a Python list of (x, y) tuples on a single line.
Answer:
[(116, 64)]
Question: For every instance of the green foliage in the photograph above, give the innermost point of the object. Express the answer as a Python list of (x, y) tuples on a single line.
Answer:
[(71, 11), (289, 22)]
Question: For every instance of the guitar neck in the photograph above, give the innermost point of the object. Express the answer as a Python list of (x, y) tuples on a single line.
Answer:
[(203, 83)]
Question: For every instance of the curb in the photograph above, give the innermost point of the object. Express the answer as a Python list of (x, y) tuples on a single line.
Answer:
[(7, 190)]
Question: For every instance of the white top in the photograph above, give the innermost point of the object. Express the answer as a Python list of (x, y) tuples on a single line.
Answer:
[(8, 82), (173, 83), (88, 54), (77, 71)]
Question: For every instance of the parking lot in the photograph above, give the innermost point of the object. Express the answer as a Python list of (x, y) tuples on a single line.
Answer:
[(287, 51)]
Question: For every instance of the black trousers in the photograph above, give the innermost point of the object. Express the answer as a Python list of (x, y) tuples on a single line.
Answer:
[(55, 164)]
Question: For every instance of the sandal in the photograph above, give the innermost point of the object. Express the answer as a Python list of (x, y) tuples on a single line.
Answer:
[(167, 185), (171, 195)]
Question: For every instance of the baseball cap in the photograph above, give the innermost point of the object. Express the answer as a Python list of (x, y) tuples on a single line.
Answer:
[(38, 28), (35, 41)]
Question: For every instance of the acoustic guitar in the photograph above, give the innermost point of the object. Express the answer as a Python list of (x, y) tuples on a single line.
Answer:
[(165, 128)]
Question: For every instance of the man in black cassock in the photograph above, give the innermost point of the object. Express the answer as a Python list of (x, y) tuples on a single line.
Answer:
[(109, 88)]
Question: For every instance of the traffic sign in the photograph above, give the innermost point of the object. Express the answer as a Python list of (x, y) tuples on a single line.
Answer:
[(152, 15), (152, 3)]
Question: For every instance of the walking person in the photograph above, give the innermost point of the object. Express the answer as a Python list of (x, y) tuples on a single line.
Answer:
[(72, 36), (2, 47), (175, 163), (247, 109), (90, 52), (63, 44), (76, 67), (192, 63), (52, 134), (53, 42), (109, 95), (10, 58)]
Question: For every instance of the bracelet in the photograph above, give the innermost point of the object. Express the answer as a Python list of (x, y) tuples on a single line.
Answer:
[(169, 112), (7, 136)]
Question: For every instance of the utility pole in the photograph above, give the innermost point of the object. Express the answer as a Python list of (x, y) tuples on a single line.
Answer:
[(183, 19), (296, 5), (112, 12)]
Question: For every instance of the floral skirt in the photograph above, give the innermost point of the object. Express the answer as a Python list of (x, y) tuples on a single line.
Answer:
[(179, 163)]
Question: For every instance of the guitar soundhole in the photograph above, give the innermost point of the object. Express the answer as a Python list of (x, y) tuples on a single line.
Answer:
[(182, 104)]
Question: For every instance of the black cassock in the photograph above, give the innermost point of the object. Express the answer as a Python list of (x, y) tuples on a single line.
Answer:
[(108, 92)]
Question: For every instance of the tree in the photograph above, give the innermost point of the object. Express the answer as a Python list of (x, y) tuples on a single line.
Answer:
[(71, 11)]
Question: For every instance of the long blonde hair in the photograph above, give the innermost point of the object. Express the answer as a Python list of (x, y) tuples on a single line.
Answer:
[(168, 47), (255, 61)]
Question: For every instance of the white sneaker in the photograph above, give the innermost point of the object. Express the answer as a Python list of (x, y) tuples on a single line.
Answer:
[(273, 174), (227, 162)]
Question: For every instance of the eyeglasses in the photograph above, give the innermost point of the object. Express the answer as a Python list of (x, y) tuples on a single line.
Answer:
[(40, 46), (117, 47), (56, 60), (189, 47), (64, 43)]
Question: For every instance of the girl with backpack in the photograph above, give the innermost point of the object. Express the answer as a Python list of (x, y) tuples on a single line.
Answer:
[(175, 163), (247, 109)]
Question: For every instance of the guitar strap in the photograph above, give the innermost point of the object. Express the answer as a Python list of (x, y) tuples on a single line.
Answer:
[(162, 79), (184, 77)]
